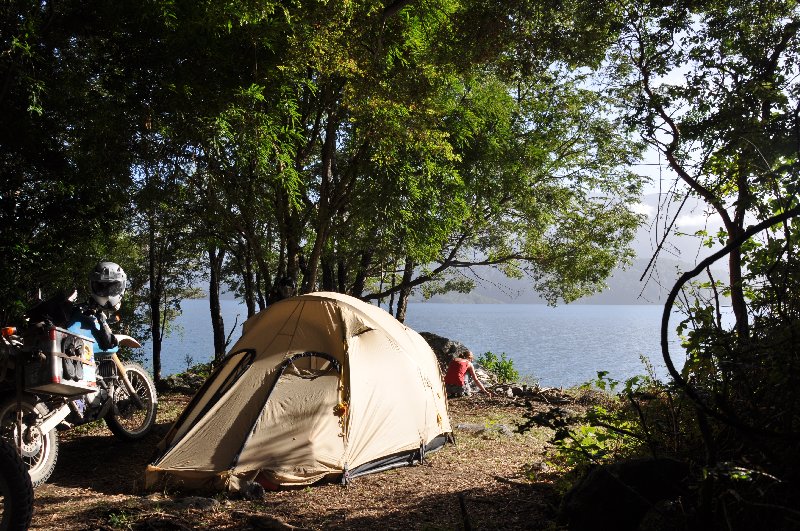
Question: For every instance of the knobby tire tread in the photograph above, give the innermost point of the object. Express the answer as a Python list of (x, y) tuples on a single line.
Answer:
[(17, 490), (113, 424)]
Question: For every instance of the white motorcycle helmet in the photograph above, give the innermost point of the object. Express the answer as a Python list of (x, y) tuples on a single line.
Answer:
[(107, 284)]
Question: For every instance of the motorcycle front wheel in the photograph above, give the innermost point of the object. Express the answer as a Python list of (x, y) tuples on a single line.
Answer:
[(127, 420), (38, 450), (16, 490)]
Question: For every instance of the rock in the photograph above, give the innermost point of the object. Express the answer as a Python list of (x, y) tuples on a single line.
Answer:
[(503, 429), (549, 395), (470, 427), (475, 429), (506, 390), (538, 467), (196, 502), (265, 521), (253, 491), (447, 349), (619, 495), (444, 348), (666, 514), (484, 376)]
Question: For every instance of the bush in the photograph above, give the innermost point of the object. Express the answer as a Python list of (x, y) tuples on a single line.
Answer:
[(200, 369), (501, 367)]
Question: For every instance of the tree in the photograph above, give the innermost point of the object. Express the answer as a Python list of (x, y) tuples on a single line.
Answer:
[(543, 193), (713, 87), (727, 125), (63, 163), (385, 157)]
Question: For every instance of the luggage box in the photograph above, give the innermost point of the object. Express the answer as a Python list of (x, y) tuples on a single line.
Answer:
[(61, 363)]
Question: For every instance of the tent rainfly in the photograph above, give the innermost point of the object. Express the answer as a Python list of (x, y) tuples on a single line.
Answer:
[(319, 386)]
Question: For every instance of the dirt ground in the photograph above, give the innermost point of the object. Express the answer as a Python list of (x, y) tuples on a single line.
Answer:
[(492, 478)]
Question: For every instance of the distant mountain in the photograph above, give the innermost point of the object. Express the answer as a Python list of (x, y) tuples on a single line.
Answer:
[(624, 287)]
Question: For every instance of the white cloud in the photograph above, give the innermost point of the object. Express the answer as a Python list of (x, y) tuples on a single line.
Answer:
[(641, 208), (693, 220)]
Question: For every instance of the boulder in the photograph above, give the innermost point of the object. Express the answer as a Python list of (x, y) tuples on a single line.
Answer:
[(487, 378), (195, 502), (444, 348)]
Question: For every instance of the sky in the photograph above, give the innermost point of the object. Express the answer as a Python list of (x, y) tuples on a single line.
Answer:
[(658, 204)]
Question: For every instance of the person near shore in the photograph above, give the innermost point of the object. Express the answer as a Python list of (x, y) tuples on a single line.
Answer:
[(454, 379)]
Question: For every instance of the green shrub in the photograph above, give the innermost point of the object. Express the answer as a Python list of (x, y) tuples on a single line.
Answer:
[(201, 369), (501, 367), (639, 416)]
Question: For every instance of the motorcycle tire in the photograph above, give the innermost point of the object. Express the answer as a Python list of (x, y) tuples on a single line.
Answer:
[(39, 451), (16, 490), (127, 420)]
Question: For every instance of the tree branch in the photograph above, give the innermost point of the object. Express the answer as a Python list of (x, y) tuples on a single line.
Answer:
[(690, 391)]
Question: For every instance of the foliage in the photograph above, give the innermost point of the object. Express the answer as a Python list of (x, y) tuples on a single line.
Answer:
[(709, 85), (201, 369), (363, 148), (713, 87), (639, 416), (120, 520), (338, 141), (501, 367)]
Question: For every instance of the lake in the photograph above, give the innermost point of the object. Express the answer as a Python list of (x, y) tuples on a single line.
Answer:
[(561, 346)]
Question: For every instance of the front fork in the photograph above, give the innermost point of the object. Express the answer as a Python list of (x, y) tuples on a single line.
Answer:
[(125, 381)]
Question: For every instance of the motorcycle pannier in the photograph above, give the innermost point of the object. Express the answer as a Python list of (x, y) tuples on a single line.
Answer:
[(62, 363)]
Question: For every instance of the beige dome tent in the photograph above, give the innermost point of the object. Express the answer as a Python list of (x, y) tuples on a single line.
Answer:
[(318, 386)]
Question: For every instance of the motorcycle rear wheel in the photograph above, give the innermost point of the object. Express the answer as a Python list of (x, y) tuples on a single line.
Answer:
[(127, 420), (16, 490), (39, 451)]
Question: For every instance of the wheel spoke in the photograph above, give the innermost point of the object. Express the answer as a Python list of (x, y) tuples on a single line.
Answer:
[(132, 420), (38, 451)]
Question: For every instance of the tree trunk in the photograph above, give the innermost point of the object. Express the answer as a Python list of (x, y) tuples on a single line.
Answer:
[(260, 297), (341, 276), (325, 198), (247, 279), (405, 291), (216, 258), (738, 301), (156, 288), (361, 274), (327, 274), (394, 283)]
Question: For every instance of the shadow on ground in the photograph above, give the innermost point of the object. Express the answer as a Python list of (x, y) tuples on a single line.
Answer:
[(104, 463)]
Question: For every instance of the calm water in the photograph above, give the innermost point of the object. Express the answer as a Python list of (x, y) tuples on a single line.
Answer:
[(560, 346)]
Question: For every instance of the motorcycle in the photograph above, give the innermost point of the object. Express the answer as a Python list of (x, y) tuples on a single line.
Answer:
[(55, 375)]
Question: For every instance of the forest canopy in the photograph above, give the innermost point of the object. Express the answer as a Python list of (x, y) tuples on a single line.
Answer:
[(363, 147), (381, 148)]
